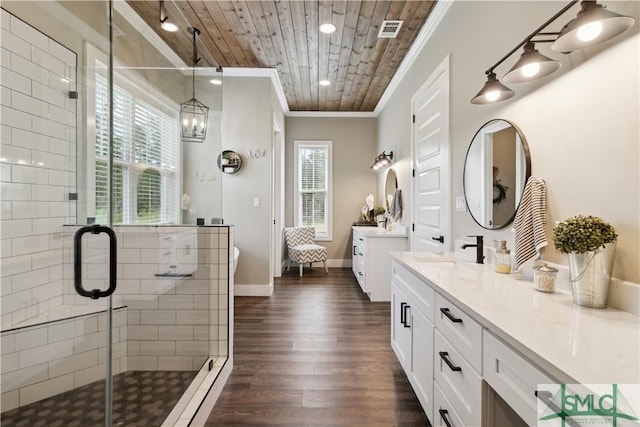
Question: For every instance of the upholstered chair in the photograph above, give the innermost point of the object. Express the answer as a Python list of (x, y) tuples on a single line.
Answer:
[(302, 249)]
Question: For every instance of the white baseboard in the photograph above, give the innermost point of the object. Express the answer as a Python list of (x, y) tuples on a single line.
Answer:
[(249, 290)]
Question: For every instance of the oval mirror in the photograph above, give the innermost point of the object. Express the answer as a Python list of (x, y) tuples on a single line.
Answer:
[(496, 169), (390, 186)]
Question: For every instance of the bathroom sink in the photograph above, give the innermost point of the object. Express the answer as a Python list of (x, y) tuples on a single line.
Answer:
[(436, 258)]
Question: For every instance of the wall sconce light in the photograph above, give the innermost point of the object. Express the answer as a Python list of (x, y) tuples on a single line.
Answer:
[(382, 161), (193, 113), (594, 24), (165, 24)]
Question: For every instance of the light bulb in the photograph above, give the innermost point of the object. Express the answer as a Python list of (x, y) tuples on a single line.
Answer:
[(530, 70), (185, 122), (325, 82), (216, 81), (492, 95), (169, 26), (590, 31), (194, 122)]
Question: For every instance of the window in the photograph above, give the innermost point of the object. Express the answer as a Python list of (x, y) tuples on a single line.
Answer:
[(145, 156), (313, 186)]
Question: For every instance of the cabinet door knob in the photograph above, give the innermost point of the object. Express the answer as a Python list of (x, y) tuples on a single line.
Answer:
[(449, 316), (443, 414), (445, 356)]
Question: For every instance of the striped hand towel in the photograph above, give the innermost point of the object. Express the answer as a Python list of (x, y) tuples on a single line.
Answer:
[(530, 222)]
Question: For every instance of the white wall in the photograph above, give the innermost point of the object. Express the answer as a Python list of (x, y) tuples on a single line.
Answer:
[(247, 124), (354, 150), (582, 124), (201, 177)]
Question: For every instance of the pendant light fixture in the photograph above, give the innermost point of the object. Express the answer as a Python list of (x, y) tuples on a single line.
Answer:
[(594, 24), (531, 65), (193, 113), (165, 24)]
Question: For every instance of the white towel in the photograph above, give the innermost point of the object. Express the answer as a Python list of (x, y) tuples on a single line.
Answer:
[(395, 208), (530, 223)]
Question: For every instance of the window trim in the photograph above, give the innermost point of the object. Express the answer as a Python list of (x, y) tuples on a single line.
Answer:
[(129, 81), (298, 144)]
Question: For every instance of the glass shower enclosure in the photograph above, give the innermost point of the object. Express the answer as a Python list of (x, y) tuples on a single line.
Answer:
[(115, 295)]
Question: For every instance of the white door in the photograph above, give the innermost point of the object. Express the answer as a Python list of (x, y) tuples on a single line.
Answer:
[(431, 194)]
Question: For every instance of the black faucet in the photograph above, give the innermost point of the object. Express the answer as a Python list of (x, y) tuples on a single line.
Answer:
[(479, 248)]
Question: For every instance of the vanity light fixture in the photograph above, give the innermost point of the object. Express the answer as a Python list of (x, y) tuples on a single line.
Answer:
[(594, 24), (492, 91), (193, 113), (165, 24), (382, 161), (531, 65)]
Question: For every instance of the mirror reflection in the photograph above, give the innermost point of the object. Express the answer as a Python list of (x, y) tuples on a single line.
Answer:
[(496, 169), (390, 186)]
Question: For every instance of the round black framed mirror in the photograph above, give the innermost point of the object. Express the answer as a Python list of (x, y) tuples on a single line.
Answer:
[(496, 169)]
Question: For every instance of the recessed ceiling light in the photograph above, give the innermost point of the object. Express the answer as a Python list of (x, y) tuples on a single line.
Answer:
[(216, 81), (169, 26), (325, 82), (327, 28)]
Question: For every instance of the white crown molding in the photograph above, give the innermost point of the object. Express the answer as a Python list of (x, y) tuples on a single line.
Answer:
[(433, 20)]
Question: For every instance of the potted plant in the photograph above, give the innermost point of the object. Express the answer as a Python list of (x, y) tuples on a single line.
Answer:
[(378, 213), (590, 243)]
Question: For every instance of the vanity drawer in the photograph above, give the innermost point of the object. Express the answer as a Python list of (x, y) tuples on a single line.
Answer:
[(423, 296), (464, 333), (443, 410), (458, 380), (514, 378)]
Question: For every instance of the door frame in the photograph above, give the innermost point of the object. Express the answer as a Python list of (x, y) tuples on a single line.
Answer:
[(277, 197), (441, 69)]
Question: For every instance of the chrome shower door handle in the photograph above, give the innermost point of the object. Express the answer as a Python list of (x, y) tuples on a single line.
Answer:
[(77, 261)]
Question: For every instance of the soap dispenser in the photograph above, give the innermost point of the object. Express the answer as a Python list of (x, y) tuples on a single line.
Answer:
[(503, 257)]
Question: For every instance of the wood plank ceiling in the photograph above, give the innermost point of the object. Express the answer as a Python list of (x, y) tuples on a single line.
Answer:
[(284, 35)]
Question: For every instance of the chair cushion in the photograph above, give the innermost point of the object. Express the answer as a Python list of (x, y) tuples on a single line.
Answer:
[(307, 253)]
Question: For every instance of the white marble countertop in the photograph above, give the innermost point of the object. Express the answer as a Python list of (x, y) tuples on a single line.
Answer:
[(572, 344), (380, 232)]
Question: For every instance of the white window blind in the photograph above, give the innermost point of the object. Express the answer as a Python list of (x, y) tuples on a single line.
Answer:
[(313, 186), (145, 157)]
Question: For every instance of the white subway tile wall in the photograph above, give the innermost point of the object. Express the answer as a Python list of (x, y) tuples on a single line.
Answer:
[(38, 157), (167, 323)]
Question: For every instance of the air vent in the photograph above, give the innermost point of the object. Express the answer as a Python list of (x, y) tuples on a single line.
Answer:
[(389, 29)]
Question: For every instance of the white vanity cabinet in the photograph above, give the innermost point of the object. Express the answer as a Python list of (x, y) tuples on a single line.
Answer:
[(476, 345), (412, 332), (370, 260)]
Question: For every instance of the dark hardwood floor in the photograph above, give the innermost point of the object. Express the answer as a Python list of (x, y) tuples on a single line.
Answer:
[(316, 353)]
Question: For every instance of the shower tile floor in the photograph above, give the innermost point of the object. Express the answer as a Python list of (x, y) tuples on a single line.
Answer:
[(140, 399)]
